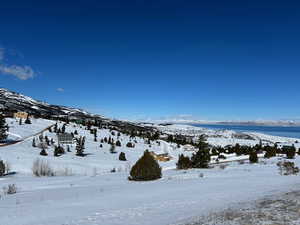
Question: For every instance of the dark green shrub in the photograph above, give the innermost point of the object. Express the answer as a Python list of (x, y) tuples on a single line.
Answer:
[(183, 163), (253, 157), (118, 143), (269, 151), (43, 152), (122, 156), (2, 168), (129, 145), (145, 169), (201, 159), (290, 151)]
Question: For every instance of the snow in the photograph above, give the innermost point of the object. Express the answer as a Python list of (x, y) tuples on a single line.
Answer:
[(17, 132), (92, 195), (226, 137)]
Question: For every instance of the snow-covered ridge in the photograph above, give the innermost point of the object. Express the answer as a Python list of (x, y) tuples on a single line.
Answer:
[(13, 101)]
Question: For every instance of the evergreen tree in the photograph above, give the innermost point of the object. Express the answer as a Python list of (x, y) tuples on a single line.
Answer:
[(63, 129), (20, 122), (146, 168), (290, 151), (122, 156), (3, 128), (2, 168), (183, 163), (33, 143), (253, 157), (28, 121), (129, 145), (43, 152), (269, 151), (118, 143), (80, 147), (201, 159), (202, 142)]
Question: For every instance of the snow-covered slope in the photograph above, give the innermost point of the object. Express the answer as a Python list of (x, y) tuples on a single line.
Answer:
[(86, 192), (17, 102)]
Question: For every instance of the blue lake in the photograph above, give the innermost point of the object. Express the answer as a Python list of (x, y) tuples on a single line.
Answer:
[(288, 131)]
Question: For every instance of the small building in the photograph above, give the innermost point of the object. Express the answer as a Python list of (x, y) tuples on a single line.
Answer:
[(65, 139), (189, 148), (161, 157), (21, 115)]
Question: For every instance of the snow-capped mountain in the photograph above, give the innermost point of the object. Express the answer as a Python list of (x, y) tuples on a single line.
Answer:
[(13, 101)]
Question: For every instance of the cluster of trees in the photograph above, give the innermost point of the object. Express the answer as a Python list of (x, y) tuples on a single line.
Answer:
[(200, 159)]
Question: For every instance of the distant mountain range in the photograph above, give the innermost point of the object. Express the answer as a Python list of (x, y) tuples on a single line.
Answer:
[(181, 120)]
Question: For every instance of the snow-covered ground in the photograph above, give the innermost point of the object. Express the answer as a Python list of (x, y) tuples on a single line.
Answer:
[(19, 132), (93, 195), (112, 199), (226, 137)]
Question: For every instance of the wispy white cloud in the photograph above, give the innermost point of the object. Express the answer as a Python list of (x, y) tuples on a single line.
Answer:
[(60, 89), (20, 72)]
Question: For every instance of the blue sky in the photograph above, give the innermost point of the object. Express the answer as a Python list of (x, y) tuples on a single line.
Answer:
[(213, 60)]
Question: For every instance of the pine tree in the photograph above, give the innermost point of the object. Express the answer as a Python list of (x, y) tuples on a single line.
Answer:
[(146, 168), (290, 151), (2, 168), (80, 147), (63, 129), (20, 121), (122, 156), (3, 128), (202, 142), (28, 121), (201, 159), (43, 152), (183, 163), (33, 143), (118, 143), (269, 151), (253, 157)]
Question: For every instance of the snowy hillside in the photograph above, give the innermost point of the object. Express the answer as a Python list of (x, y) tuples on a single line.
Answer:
[(17, 102), (94, 189)]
